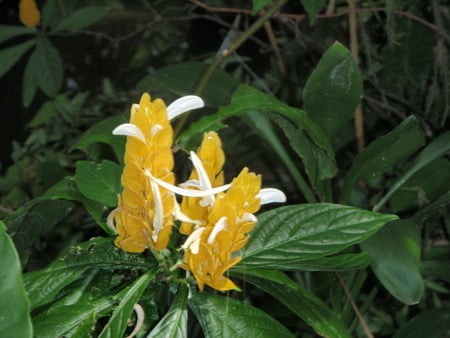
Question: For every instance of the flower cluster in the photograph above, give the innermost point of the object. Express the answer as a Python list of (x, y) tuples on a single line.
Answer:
[(215, 217), (29, 13)]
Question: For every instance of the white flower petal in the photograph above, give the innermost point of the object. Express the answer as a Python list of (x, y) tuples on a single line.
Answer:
[(110, 219), (205, 183), (193, 241), (129, 129), (218, 227), (247, 217), (179, 215), (271, 195), (158, 220), (184, 104)]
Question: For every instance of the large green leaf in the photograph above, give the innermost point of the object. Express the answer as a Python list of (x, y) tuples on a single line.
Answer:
[(99, 182), (312, 8), (299, 300), (333, 90), (81, 18), (8, 32), (43, 285), (9, 56), (285, 236), (29, 83), (439, 147), (14, 310), (395, 253), (49, 76), (118, 322), (227, 317), (381, 155), (432, 210), (174, 322), (431, 323)]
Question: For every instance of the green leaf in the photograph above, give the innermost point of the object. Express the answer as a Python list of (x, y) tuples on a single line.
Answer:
[(383, 153), (432, 210), (102, 132), (43, 285), (118, 322), (344, 262), (49, 76), (299, 300), (14, 312), (182, 79), (29, 84), (430, 323), (227, 317), (99, 182), (9, 56), (333, 90), (82, 18), (395, 253), (285, 236), (36, 218), (312, 8), (8, 32), (259, 4), (439, 147), (174, 322)]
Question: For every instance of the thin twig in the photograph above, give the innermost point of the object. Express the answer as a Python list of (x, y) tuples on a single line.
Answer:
[(276, 49)]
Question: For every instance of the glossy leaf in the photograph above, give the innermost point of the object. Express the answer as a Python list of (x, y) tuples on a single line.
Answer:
[(82, 18), (312, 8), (99, 182), (285, 236), (299, 300), (395, 254), (8, 32), (227, 317), (431, 323), (174, 322), (15, 307), (29, 84), (333, 90), (9, 56), (118, 322), (383, 153), (50, 75)]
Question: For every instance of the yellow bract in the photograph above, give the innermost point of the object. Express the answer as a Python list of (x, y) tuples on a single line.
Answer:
[(135, 217), (29, 14)]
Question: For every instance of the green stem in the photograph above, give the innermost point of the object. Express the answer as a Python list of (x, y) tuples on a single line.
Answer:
[(227, 52)]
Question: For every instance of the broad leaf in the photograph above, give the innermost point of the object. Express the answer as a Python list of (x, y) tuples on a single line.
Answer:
[(14, 310), (381, 155), (29, 84), (285, 236), (9, 56), (312, 8), (82, 18), (174, 322), (432, 210), (431, 323), (227, 317), (8, 32), (99, 182), (333, 90), (299, 300), (118, 322), (395, 253), (49, 76)]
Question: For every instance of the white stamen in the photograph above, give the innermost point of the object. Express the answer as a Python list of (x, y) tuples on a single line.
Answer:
[(190, 184), (193, 241), (271, 195), (158, 219), (129, 129), (205, 183), (179, 215), (218, 227), (184, 104)]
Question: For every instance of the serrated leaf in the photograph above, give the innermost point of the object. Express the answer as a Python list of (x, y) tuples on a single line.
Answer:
[(333, 90), (312, 8), (49, 76), (299, 300), (430, 323), (285, 236), (174, 322), (395, 254), (81, 18), (29, 84), (99, 182), (15, 307), (9, 56), (381, 155), (227, 317), (118, 322), (8, 32)]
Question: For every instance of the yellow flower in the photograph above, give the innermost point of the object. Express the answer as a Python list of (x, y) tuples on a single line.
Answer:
[(29, 14), (146, 210), (220, 223)]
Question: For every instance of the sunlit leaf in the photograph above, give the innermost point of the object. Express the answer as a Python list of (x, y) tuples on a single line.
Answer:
[(15, 306)]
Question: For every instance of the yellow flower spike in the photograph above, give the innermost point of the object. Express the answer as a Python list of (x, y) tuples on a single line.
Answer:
[(29, 13)]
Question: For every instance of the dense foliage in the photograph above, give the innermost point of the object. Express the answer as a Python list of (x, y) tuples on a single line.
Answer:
[(342, 105)]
